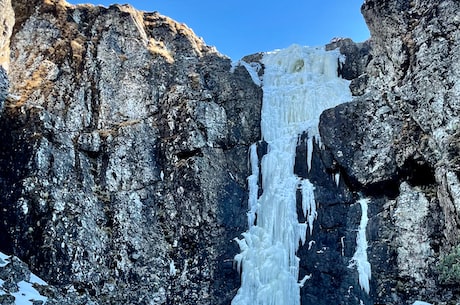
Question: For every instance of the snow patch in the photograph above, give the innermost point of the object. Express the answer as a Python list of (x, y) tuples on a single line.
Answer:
[(305, 278), (36, 280), (26, 294)]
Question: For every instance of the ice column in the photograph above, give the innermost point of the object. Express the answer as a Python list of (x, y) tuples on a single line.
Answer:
[(360, 257), (299, 83)]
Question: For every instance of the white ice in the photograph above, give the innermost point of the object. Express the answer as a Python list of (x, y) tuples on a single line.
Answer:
[(253, 187), (299, 83), (360, 257), (252, 68)]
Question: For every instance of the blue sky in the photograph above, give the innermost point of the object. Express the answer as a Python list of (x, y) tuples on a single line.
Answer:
[(241, 27)]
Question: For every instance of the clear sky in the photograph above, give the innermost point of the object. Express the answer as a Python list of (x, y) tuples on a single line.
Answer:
[(242, 27)]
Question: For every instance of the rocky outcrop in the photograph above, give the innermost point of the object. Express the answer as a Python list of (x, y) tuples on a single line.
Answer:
[(397, 144), (354, 64), (124, 156)]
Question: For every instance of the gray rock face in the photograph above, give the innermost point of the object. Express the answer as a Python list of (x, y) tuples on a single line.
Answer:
[(397, 144), (356, 59), (124, 159)]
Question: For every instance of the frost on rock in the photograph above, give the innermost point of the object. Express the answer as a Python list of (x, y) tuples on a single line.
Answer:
[(414, 252), (299, 83), (360, 257)]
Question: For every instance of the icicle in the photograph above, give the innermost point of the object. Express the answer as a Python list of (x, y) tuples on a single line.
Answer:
[(360, 257), (337, 178), (308, 203), (172, 268), (303, 232), (253, 186), (309, 152)]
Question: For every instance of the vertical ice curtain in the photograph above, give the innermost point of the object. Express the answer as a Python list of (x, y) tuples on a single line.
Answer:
[(298, 84)]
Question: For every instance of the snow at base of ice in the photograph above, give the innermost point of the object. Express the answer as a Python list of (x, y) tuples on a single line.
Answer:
[(298, 84), (360, 257)]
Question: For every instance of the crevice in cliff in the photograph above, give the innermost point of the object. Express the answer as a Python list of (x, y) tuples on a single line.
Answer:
[(418, 173), (186, 154)]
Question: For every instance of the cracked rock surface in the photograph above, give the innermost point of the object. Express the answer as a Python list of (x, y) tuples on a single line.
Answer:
[(123, 156)]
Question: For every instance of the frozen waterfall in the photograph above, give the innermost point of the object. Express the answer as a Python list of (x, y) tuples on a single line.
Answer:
[(298, 84)]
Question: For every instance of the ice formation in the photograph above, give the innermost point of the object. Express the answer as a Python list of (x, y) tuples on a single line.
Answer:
[(360, 257), (252, 68), (298, 84)]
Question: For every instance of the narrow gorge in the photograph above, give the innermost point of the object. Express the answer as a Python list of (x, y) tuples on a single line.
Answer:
[(138, 165)]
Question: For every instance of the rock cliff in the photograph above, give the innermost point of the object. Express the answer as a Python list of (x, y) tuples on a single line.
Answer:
[(123, 157), (397, 143)]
